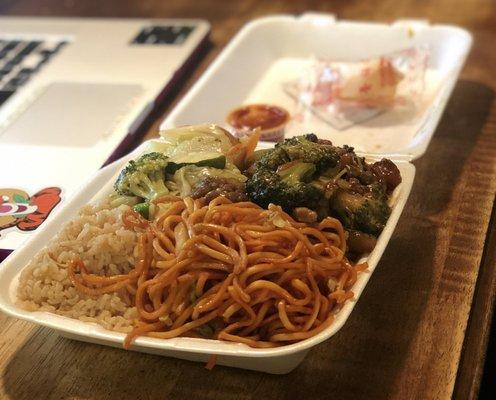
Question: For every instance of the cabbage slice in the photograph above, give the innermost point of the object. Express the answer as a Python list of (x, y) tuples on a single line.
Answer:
[(207, 132)]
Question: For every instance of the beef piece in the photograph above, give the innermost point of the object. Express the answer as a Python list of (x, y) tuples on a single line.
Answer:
[(211, 187), (386, 171), (324, 141), (360, 243)]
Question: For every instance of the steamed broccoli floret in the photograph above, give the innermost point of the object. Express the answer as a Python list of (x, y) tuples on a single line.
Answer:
[(361, 213), (143, 177), (306, 172), (306, 149), (271, 159), (296, 171), (281, 175), (287, 188)]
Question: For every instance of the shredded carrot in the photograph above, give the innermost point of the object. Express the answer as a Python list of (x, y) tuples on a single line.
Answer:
[(212, 360), (251, 143)]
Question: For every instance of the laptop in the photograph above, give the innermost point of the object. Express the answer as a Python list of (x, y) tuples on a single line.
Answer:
[(73, 95)]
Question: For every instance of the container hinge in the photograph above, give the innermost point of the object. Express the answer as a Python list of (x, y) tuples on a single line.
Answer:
[(316, 18)]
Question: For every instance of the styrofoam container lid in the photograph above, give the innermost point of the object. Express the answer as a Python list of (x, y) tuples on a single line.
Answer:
[(273, 50), (237, 77)]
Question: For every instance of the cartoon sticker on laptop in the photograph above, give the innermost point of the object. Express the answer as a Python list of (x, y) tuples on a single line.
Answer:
[(24, 212)]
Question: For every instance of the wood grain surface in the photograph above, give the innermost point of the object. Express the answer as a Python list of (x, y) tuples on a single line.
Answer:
[(420, 329)]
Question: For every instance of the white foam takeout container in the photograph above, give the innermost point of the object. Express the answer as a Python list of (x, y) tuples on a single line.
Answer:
[(226, 84)]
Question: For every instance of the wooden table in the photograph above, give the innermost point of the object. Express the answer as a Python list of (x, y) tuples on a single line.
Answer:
[(420, 328)]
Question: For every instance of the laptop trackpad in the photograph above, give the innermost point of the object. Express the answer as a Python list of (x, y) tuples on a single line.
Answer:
[(72, 114)]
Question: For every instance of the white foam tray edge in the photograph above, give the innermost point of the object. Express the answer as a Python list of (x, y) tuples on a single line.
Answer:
[(276, 360)]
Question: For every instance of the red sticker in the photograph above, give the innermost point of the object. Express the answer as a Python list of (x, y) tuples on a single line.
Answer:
[(18, 209)]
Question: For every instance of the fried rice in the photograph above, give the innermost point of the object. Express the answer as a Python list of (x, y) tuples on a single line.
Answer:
[(97, 236)]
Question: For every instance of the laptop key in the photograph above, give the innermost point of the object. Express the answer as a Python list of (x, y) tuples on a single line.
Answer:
[(46, 53), (17, 81), (28, 48), (11, 45), (61, 44), (4, 95), (26, 71), (9, 66), (16, 60)]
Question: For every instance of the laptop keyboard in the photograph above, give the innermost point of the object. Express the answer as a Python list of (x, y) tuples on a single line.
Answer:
[(20, 60)]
